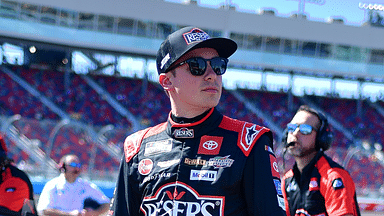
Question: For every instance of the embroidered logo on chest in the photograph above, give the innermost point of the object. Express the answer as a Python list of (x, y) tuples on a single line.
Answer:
[(145, 166), (210, 145), (313, 185)]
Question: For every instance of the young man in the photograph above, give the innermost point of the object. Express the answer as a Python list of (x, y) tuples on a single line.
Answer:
[(316, 185), (69, 194), (199, 162), (15, 187)]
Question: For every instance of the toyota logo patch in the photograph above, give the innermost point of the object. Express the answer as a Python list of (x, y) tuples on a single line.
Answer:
[(210, 145)]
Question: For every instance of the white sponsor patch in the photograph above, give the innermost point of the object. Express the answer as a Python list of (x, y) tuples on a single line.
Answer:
[(164, 164), (158, 147), (280, 200), (203, 175)]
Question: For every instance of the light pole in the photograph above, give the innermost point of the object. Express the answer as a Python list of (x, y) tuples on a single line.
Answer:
[(52, 137), (351, 151), (9, 121), (101, 139)]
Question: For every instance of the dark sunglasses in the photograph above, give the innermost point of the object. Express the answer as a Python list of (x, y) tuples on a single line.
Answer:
[(198, 65), (303, 128), (76, 165)]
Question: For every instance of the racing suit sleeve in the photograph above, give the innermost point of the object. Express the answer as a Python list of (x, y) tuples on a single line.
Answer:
[(14, 200), (124, 201), (339, 193), (262, 186)]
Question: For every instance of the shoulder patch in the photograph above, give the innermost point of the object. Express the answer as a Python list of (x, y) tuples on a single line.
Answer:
[(133, 142), (337, 184), (248, 132), (249, 135)]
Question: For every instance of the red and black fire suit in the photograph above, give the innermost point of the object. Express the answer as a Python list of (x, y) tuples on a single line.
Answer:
[(215, 166), (15, 190), (323, 188)]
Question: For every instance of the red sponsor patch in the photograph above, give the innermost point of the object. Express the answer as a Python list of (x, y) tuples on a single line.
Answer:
[(145, 166), (313, 185), (210, 145), (274, 166)]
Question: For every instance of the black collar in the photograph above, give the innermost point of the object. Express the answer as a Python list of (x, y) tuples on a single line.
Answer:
[(182, 120)]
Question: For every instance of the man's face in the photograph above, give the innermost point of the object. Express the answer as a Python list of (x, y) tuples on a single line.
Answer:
[(303, 144), (191, 92), (72, 167)]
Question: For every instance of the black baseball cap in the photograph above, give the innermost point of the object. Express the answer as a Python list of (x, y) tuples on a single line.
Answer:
[(186, 39)]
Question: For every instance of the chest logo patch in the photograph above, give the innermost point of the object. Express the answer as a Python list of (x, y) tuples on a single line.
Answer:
[(203, 175), (181, 199), (165, 164), (158, 147), (210, 145), (145, 166), (220, 162), (313, 185), (184, 133)]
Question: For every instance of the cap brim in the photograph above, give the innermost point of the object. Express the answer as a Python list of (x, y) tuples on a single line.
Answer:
[(225, 47)]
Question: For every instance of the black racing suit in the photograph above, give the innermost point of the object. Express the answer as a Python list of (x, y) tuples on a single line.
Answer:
[(216, 166)]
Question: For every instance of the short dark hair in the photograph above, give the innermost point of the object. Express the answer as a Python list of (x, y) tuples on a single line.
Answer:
[(312, 111)]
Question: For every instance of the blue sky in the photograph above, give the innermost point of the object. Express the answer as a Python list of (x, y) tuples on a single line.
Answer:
[(347, 9)]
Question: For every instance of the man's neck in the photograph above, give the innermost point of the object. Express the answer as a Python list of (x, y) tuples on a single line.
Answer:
[(303, 161), (70, 179), (182, 120), (188, 113)]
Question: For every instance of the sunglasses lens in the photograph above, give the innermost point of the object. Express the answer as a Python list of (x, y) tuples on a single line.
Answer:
[(305, 129), (77, 165), (291, 127), (219, 65), (197, 66)]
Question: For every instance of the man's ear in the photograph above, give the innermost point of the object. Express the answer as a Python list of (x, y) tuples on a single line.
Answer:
[(165, 81)]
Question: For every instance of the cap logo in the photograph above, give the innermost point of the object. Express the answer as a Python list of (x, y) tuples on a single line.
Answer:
[(164, 61), (195, 35)]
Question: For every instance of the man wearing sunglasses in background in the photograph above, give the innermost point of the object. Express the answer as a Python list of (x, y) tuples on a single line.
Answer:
[(68, 194), (316, 185), (199, 162)]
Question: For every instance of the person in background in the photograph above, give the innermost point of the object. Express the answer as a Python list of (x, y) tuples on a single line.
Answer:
[(316, 185), (199, 162), (16, 191), (68, 194)]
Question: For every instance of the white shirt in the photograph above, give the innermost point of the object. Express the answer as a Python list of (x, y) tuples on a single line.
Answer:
[(62, 195)]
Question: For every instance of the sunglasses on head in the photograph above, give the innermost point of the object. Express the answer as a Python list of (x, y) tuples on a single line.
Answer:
[(75, 165), (198, 65), (303, 128)]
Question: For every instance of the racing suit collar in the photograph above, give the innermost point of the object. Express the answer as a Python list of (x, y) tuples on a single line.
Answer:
[(182, 120), (202, 119), (196, 129)]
